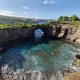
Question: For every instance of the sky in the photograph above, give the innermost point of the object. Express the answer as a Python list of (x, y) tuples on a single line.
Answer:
[(44, 9)]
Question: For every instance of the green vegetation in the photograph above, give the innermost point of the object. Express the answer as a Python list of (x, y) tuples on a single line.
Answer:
[(63, 18), (2, 26), (66, 18), (16, 22), (73, 20)]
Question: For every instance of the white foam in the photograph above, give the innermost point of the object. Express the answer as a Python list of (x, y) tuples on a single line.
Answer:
[(35, 75), (5, 67)]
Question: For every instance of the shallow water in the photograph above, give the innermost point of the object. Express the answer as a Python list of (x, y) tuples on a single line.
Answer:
[(38, 60)]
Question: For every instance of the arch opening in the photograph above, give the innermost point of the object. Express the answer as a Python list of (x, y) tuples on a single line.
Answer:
[(38, 33)]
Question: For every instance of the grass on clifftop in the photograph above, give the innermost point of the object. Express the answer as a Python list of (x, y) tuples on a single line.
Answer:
[(76, 24), (4, 26)]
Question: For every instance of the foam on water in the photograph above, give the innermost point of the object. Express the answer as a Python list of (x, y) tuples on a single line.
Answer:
[(44, 61)]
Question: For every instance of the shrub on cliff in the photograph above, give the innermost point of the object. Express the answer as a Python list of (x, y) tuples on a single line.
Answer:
[(74, 18), (63, 18)]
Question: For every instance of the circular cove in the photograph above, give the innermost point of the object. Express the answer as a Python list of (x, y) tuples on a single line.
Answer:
[(38, 61)]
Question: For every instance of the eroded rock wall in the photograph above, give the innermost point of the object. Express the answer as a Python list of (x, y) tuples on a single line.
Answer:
[(7, 35), (12, 34)]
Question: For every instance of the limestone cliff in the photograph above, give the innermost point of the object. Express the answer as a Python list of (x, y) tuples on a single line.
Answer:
[(7, 35)]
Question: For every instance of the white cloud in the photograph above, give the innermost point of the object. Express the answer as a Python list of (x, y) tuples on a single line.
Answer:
[(26, 12), (7, 13), (25, 7), (37, 17), (48, 2)]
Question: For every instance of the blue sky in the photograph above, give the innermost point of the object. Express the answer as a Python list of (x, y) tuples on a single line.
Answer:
[(49, 9)]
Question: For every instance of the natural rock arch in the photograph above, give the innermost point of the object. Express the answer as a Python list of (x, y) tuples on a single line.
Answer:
[(48, 31), (38, 33)]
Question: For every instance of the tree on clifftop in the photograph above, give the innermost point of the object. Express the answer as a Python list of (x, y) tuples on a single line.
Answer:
[(63, 18), (74, 18), (60, 18)]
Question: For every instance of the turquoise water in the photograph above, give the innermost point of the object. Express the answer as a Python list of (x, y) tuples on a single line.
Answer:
[(46, 56)]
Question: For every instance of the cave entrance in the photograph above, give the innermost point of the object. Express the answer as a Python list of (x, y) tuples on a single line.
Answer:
[(38, 33)]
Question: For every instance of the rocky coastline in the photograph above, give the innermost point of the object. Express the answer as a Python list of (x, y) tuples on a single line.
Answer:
[(61, 33), (65, 33), (12, 34)]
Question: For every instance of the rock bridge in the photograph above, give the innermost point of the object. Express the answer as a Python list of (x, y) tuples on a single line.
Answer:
[(10, 34), (50, 31)]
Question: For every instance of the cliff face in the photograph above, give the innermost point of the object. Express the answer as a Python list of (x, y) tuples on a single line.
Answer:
[(12, 34), (74, 35), (7, 35), (70, 33)]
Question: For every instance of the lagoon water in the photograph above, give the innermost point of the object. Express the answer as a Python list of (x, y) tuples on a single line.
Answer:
[(40, 60)]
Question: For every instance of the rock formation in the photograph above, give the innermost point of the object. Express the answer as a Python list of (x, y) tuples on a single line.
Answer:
[(7, 35)]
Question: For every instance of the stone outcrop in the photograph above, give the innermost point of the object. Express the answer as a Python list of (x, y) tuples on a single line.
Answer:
[(77, 60), (72, 76), (65, 34), (78, 41), (74, 35)]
